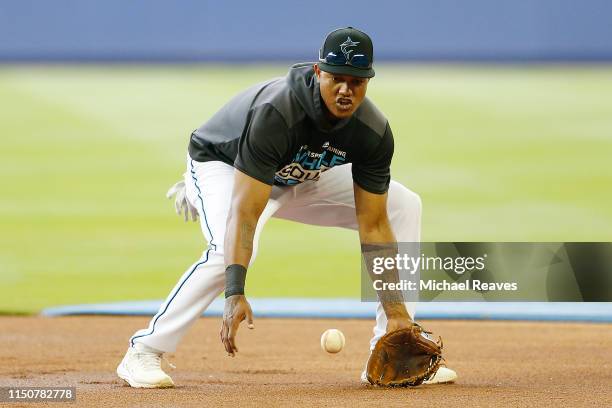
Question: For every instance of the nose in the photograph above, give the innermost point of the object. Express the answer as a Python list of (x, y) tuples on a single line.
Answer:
[(344, 90)]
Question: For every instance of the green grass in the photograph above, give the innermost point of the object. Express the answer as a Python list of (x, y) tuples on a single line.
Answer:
[(87, 153)]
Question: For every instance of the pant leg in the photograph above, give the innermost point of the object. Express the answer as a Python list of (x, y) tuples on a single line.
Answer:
[(331, 202), (209, 188)]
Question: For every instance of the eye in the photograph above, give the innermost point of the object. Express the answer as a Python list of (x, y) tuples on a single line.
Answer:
[(358, 82)]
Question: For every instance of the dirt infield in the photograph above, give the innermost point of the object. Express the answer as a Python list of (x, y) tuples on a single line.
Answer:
[(280, 363)]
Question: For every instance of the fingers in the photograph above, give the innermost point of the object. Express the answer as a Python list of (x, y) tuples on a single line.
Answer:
[(181, 202), (194, 212), (236, 310), (177, 207), (175, 188), (229, 328), (249, 314), (224, 338), (183, 207), (171, 191), (231, 337)]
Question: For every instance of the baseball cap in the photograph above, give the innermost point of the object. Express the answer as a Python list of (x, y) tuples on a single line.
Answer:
[(347, 51)]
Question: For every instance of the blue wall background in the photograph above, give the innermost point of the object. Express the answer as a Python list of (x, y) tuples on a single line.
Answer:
[(192, 30)]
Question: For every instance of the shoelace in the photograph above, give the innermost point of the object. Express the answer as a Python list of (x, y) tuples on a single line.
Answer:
[(152, 360)]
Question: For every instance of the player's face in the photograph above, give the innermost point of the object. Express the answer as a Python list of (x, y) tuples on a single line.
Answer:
[(342, 94)]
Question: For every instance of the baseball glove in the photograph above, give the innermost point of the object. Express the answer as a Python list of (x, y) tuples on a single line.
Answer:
[(404, 357)]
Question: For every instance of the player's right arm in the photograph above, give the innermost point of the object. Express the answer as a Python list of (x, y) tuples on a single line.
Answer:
[(261, 148), (249, 198)]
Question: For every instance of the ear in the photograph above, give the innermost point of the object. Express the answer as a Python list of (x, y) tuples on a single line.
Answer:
[(317, 70)]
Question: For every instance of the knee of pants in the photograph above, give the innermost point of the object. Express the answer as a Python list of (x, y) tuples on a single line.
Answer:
[(403, 201), (219, 250), (404, 209)]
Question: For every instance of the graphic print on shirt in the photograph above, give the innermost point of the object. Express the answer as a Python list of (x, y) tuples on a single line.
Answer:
[(307, 165)]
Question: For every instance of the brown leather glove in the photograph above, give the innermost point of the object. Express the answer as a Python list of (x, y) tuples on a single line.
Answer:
[(404, 357)]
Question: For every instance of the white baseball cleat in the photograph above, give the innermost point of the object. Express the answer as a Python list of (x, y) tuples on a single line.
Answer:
[(364, 377), (141, 368), (444, 375)]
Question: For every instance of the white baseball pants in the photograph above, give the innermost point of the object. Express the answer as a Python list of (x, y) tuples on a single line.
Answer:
[(327, 202)]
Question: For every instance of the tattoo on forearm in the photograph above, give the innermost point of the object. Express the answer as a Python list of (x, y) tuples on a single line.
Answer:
[(383, 250), (247, 232)]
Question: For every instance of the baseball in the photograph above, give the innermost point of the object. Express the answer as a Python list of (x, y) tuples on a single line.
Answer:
[(332, 340)]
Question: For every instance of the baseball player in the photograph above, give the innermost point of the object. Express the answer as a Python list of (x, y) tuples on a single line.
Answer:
[(308, 147)]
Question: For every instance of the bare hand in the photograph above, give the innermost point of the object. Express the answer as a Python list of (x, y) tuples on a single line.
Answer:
[(397, 316), (398, 323), (236, 310)]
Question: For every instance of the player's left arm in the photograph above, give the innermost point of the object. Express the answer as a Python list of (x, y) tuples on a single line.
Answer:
[(375, 228), (371, 211)]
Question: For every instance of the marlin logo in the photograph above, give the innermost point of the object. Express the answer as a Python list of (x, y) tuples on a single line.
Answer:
[(345, 45)]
